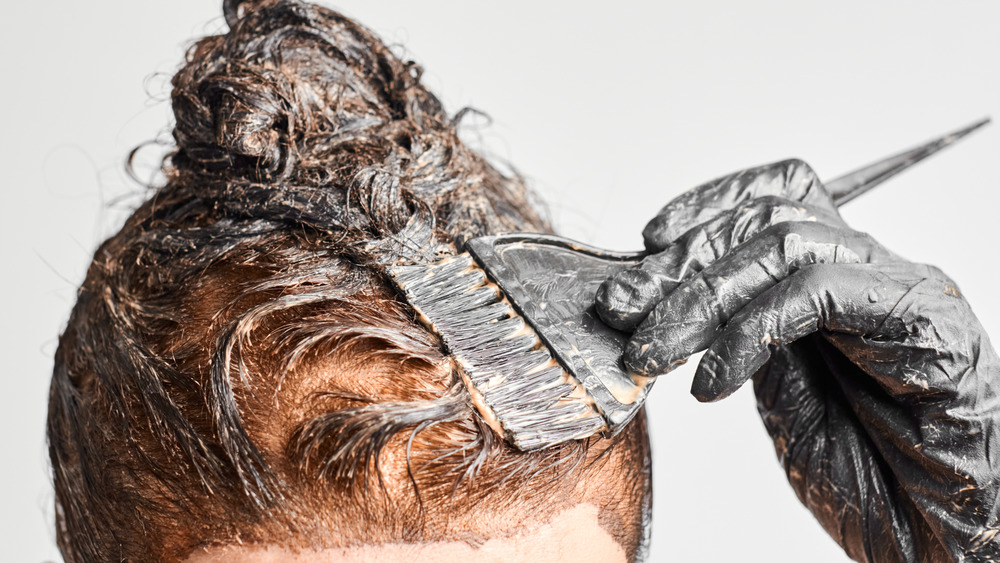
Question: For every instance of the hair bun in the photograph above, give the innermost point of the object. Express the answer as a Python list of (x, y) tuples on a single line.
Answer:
[(314, 115)]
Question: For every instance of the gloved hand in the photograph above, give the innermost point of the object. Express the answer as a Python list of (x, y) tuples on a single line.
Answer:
[(873, 377)]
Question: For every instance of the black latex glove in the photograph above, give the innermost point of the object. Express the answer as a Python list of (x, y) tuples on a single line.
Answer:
[(875, 380)]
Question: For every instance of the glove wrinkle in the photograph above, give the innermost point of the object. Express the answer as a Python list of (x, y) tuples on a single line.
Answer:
[(865, 513)]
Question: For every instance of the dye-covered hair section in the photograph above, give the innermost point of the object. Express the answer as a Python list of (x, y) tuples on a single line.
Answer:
[(237, 368)]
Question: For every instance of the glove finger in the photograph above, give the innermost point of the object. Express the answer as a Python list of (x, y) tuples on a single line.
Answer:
[(690, 317), (792, 393), (624, 300), (846, 298), (790, 179)]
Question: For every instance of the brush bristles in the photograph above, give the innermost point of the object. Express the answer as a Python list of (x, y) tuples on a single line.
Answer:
[(519, 388)]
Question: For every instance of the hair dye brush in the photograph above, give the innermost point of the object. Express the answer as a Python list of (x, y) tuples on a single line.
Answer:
[(517, 313)]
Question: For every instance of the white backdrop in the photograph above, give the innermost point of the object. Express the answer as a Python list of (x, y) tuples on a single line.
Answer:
[(610, 110)]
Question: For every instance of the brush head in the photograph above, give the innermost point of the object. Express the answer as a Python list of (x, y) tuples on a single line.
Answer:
[(544, 371), (514, 380)]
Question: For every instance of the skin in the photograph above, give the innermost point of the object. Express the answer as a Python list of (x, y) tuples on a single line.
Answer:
[(572, 535)]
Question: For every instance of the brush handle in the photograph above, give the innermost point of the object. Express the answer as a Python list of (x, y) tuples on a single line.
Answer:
[(849, 186)]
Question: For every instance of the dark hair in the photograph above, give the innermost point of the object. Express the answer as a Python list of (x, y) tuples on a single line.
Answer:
[(236, 363)]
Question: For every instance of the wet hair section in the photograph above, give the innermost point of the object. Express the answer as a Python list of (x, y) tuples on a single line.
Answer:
[(238, 369)]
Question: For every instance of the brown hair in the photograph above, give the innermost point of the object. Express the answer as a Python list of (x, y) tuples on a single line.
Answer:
[(237, 368)]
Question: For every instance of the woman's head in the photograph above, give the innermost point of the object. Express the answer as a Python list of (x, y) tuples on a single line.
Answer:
[(237, 369)]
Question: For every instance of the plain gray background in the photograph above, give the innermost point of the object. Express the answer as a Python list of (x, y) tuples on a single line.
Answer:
[(610, 109)]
